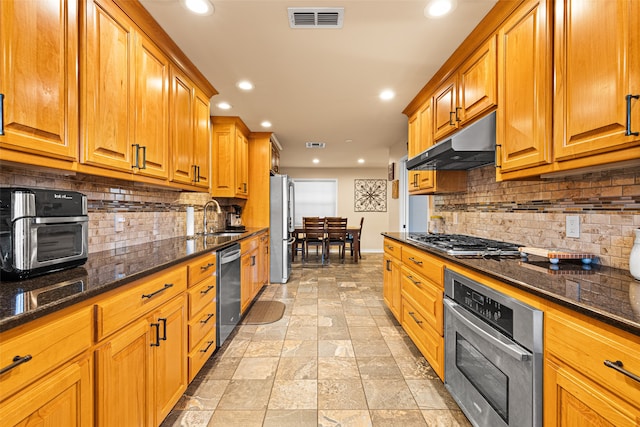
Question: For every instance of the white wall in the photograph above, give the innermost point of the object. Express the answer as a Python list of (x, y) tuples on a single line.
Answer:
[(374, 222)]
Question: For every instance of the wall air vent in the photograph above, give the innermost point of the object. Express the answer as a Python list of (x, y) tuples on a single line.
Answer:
[(315, 144), (316, 17)]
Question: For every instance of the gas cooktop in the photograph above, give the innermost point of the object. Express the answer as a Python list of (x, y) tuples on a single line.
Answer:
[(462, 245)]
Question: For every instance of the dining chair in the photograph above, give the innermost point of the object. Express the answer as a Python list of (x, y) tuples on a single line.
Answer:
[(336, 235), (314, 233), (350, 240), (298, 245)]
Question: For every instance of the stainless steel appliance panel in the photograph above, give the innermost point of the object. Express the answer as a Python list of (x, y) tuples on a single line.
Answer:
[(228, 292), (282, 214)]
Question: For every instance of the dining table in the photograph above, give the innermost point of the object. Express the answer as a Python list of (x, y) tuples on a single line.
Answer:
[(353, 230)]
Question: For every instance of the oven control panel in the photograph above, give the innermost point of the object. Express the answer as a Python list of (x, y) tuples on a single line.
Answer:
[(489, 310)]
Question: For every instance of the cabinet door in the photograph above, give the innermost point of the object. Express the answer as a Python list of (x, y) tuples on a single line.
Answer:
[(391, 285), (170, 357), (242, 164), (62, 398), (445, 115), (573, 400), (523, 119), (223, 153), (109, 101), (182, 168), (247, 278), (152, 110), (477, 91), (597, 61), (40, 90), (124, 389), (414, 136), (202, 140)]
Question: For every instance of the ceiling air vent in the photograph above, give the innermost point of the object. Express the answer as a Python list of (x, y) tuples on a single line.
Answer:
[(315, 144), (316, 17)]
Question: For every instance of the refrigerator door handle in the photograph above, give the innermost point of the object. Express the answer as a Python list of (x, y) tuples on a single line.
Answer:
[(291, 240)]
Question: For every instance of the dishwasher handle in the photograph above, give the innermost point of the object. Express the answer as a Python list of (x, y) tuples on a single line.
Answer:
[(229, 256)]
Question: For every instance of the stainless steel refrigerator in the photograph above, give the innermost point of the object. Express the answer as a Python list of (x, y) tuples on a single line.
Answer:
[(281, 227)]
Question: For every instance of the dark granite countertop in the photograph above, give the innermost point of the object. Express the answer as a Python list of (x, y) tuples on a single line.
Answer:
[(608, 294), (26, 300)]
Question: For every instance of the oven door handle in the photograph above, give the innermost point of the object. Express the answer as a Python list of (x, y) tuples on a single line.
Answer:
[(512, 350), (60, 220)]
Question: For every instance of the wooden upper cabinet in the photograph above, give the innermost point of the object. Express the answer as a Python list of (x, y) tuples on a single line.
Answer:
[(523, 119), (152, 110), (597, 59), (190, 132), (444, 108), (202, 139), (40, 90), (230, 152), (477, 82), (109, 88), (182, 167)]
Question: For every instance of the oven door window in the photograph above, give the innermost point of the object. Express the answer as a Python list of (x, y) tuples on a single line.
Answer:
[(490, 381), (57, 241)]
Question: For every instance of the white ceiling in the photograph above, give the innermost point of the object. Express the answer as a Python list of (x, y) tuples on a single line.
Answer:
[(320, 84)]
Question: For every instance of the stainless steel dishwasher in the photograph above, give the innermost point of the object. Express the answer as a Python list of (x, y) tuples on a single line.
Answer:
[(228, 292)]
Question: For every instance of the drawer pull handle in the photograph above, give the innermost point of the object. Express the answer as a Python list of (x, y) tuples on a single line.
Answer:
[(415, 319), (152, 294), (206, 267), (209, 316), (209, 344), (415, 282), (415, 261), (206, 291), (17, 360), (157, 343), (617, 365), (390, 247)]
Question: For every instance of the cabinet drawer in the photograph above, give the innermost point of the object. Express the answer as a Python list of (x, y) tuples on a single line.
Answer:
[(424, 264), (425, 296), (49, 342), (200, 354), (428, 341), (201, 268), (585, 346), (139, 298), (392, 248), (201, 296), (201, 325), (249, 245)]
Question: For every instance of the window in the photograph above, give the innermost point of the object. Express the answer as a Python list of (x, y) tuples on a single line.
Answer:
[(315, 197)]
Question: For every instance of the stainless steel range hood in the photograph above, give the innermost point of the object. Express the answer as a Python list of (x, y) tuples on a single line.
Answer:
[(471, 147)]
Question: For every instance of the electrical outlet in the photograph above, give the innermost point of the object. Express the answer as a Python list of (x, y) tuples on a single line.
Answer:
[(573, 226)]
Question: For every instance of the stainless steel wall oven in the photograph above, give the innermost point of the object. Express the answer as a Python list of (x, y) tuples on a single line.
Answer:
[(493, 354), (41, 231)]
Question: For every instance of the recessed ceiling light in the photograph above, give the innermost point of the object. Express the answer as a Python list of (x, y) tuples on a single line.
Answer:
[(266, 124), (360, 160), (224, 106), (316, 160), (439, 8), (245, 85), (348, 141), (199, 7), (387, 94)]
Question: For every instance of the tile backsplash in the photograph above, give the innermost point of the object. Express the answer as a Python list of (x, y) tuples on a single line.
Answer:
[(121, 213), (533, 213)]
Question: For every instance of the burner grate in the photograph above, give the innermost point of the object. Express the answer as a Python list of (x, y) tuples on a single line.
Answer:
[(460, 244)]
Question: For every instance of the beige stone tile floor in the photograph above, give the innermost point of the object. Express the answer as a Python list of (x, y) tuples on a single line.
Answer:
[(336, 358)]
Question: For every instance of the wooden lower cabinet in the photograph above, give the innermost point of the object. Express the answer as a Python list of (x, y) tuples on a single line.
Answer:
[(579, 389), (251, 269), (142, 369), (62, 398), (391, 285)]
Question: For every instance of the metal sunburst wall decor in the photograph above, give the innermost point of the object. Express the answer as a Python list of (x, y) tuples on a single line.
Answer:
[(370, 195)]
